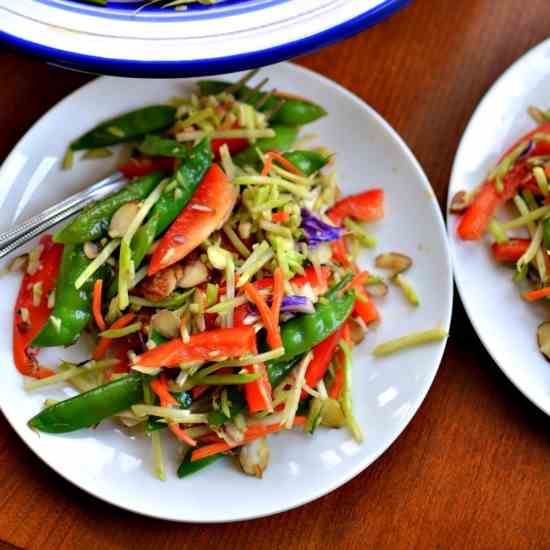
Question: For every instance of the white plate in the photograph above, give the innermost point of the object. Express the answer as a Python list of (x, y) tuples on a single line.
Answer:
[(387, 392), (231, 35), (504, 322)]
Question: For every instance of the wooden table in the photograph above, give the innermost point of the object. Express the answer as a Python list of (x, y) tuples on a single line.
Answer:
[(472, 470)]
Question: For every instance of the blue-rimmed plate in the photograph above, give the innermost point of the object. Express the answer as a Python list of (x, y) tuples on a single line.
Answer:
[(227, 36)]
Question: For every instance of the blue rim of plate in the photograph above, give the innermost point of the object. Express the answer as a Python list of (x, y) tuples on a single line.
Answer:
[(204, 67)]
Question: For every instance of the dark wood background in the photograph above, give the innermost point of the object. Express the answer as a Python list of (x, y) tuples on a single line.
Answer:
[(472, 470)]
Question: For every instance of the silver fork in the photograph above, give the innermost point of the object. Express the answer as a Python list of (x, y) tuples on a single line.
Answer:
[(21, 234)]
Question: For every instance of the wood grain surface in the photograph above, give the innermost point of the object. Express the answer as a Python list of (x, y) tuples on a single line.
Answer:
[(472, 470)]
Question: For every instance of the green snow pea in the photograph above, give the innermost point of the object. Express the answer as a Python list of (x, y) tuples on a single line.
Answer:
[(73, 308), (174, 198), (308, 162), (89, 408), (187, 467), (127, 127), (294, 111), (163, 147), (93, 222)]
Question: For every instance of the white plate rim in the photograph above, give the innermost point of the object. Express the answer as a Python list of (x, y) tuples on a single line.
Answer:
[(462, 291)]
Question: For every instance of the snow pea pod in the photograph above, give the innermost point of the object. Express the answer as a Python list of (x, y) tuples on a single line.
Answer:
[(127, 127), (302, 333), (546, 233), (293, 112), (93, 222), (278, 371), (89, 408), (73, 308), (174, 198), (163, 147), (284, 138), (308, 162)]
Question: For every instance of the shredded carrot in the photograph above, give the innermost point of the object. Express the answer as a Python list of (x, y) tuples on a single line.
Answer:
[(273, 334), (358, 280), (160, 387), (96, 305), (340, 253), (280, 217), (252, 433), (104, 343), (268, 163), (346, 336), (278, 291), (285, 163), (534, 295), (181, 434)]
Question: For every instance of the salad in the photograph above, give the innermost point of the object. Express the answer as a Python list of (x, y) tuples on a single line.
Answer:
[(218, 291), (519, 183)]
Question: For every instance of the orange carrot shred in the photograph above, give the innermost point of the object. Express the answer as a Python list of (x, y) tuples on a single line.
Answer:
[(96, 305), (280, 217), (104, 343), (273, 334), (278, 291), (534, 295)]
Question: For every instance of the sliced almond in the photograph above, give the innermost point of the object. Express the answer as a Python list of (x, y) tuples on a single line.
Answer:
[(543, 339), (460, 202), (122, 219), (91, 250), (394, 262), (378, 289), (194, 273), (165, 323), (356, 331)]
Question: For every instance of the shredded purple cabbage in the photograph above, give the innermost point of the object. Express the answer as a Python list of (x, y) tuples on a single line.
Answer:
[(290, 304), (527, 151), (317, 231)]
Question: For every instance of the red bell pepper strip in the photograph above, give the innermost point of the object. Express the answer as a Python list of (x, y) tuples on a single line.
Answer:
[(475, 220), (207, 211), (235, 145), (322, 356), (145, 165), (25, 331), (367, 207), (206, 346), (511, 251), (537, 294)]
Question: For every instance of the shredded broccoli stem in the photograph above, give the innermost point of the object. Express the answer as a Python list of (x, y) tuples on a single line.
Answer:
[(542, 180), (196, 117), (408, 290), (276, 229), (364, 238), (496, 231), (226, 134), (226, 379), (230, 288), (158, 460), (411, 340), (269, 180), (70, 371), (125, 274), (532, 250), (527, 218), (302, 180), (540, 262), (271, 204), (235, 241), (293, 399), (121, 332), (227, 162), (181, 416), (225, 305), (259, 257), (242, 361), (346, 400), (140, 274), (101, 258), (225, 403)]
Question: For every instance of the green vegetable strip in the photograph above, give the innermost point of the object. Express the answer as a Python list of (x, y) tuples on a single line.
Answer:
[(346, 400), (412, 340), (70, 372), (90, 408), (226, 134), (226, 379), (268, 180), (259, 257), (532, 250), (181, 416), (527, 218), (496, 231), (158, 459), (542, 180), (407, 289), (125, 274), (236, 241), (101, 258), (121, 332), (157, 146), (364, 238), (127, 127)]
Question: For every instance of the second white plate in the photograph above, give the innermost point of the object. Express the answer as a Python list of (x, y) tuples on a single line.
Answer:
[(386, 392), (505, 323)]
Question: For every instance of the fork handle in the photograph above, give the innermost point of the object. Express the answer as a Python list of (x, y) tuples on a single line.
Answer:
[(82, 198)]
